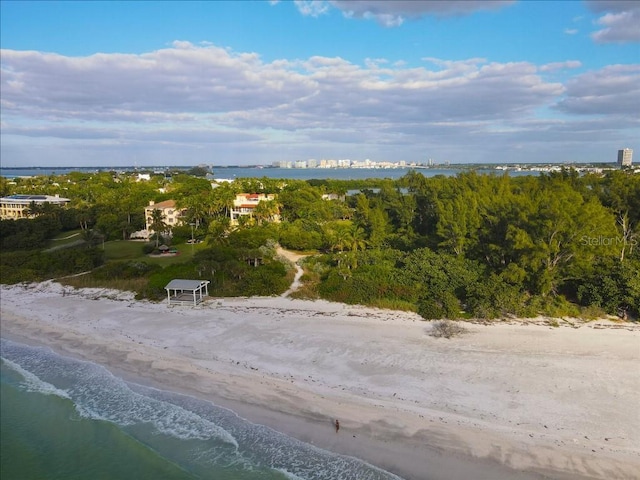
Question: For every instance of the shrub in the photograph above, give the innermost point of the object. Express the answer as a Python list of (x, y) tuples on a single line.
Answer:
[(442, 305), (296, 237), (268, 279), (494, 297), (446, 329), (30, 266), (148, 248), (125, 270), (592, 313)]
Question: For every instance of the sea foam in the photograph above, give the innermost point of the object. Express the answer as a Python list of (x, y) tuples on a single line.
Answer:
[(32, 383), (99, 395), (213, 436)]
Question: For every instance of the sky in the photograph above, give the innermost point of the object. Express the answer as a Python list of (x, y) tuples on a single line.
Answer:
[(255, 82)]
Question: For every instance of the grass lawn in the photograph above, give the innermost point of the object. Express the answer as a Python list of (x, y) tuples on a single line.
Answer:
[(130, 250)]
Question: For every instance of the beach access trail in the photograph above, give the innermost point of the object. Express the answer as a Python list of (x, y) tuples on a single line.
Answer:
[(294, 258), (508, 400)]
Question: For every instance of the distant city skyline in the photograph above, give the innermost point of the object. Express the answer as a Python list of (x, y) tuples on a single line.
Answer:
[(258, 82)]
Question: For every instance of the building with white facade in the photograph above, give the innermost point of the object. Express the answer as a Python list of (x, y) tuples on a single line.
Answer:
[(625, 157), (18, 206)]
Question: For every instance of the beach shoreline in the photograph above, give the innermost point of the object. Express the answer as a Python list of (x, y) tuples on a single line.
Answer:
[(408, 403)]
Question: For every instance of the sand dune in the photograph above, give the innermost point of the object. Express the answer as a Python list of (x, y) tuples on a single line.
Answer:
[(503, 401)]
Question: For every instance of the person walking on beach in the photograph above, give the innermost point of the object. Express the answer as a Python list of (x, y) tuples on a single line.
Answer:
[(337, 425)]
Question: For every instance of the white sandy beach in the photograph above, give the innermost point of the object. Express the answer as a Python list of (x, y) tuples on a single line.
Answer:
[(503, 401)]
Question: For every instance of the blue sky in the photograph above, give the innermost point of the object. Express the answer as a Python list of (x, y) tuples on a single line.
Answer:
[(241, 82)]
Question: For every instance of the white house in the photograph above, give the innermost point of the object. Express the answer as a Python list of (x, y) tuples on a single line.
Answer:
[(14, 206), (246, 203)]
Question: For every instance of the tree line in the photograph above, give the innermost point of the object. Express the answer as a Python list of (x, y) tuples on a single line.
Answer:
[(466, 246)]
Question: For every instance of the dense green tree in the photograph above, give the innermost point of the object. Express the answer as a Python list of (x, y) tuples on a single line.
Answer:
[(198, 171), (458, 222), (337, 234), (34, 265), (109, 225), (356, 238), (266, 211), (261, 185), (300, 236), (218, 230), (480, 245), (253, 238), (614, 287), (221, 200), (32, 210), (28, 234), (565, 231), (197, 207), (303, 202), (400, 208), (441, 277), (495, 296)]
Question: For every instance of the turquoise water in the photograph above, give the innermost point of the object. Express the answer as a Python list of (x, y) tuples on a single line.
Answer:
[(66, 419)]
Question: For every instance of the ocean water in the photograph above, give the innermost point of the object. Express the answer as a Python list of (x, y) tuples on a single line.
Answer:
[(67, 419)]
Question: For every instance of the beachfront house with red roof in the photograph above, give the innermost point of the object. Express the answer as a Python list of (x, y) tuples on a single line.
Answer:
[(245, 205)]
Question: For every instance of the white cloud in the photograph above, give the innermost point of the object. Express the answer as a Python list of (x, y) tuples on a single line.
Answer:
[(613, 90), (312, 8), (621, 21), (392, 13), (193, 97), (60, 131), (182, 79), (570, 31), (569, 64)]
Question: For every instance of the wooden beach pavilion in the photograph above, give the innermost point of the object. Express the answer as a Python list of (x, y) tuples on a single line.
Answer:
[(186, 292)]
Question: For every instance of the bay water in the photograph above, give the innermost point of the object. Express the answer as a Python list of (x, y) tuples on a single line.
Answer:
[(233, 173)]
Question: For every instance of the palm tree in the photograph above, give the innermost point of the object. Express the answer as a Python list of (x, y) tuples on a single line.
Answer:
[(33, 210), (221, 199), (158, 224), (217, 231), (337, 236), (50, 210), (245, 221), (196, 206), (93, 237), (356, 239), (266, 210)]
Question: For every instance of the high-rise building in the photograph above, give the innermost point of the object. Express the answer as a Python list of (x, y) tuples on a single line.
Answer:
[(625, 157)]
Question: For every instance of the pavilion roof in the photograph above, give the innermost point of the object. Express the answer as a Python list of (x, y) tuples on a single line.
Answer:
[(180, 284)]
